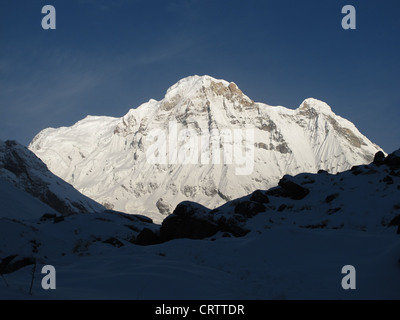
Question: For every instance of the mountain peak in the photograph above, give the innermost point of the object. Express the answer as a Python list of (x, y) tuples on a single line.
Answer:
[(203, 88), (316, 105), (191, 85)]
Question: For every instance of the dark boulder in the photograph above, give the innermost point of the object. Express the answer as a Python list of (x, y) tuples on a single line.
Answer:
[(393, 160), (331, 197), (189, 220), (388, 180), (379, 158), (193, 221), (356, 170), (147, 237), (292, 189), (259, 196)]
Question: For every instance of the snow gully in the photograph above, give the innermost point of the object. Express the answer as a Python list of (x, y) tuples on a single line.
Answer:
[(189, 147)]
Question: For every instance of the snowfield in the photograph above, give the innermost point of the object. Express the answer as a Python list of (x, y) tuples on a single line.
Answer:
[(283, 263)]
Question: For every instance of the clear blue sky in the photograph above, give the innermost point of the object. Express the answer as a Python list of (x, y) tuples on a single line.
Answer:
[(106, 57)]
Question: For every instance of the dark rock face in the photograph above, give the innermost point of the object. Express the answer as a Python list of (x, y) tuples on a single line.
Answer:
[(53, 217), (356, 170), (193, 221), (232, 225), (277, 192), (388, 180), (12, 263), (393, 160), (331, 197), (259, 196), (53, 201), (187, 227), (293, 190), (147, 237), (379, 158), (189, 220), (249, 209)]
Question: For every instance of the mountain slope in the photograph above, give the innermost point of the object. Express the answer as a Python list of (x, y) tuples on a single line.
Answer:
[(108, 158), (296, 245), (29, 189), (44, 220)]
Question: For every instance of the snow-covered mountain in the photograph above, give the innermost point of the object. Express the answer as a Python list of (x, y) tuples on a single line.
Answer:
[(29, 190), (110, 159)]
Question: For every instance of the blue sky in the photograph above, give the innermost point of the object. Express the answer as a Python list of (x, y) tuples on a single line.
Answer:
[(106, 57)]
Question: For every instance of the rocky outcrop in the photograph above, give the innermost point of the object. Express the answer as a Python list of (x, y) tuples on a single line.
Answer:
[(379, 158), (292, 189), (163, 207), (13, 263), (194, 221), (147, 237), (393, 160), (189, 220)]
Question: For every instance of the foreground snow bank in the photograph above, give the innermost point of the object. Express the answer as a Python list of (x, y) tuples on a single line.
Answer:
[(295, 240)]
